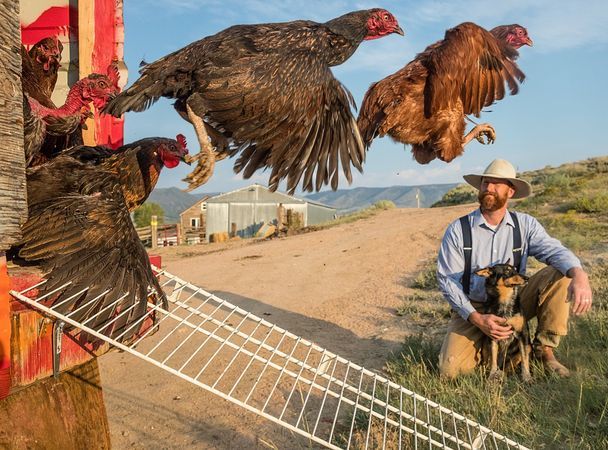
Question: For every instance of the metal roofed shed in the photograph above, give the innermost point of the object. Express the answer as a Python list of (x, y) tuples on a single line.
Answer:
[(252, 206)]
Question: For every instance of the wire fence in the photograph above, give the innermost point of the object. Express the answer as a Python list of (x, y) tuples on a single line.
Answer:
[(267, 370)]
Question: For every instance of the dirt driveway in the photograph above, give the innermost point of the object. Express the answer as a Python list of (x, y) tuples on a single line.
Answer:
[(337, 287)]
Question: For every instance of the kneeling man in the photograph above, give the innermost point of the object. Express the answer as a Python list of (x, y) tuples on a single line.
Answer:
[(491, 235)]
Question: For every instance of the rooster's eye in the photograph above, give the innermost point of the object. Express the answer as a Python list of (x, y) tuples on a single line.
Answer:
[(386, 17), (102, 84)]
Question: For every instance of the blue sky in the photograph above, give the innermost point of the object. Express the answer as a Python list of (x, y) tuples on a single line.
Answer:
[(558, 116)]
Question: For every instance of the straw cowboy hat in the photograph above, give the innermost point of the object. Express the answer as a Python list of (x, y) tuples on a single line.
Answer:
[(500, 168)]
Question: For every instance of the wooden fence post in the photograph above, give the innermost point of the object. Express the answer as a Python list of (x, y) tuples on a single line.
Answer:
[(154, 231), (179, 233)]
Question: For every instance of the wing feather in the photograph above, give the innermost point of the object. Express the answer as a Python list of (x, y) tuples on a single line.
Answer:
[(88, 239), (469, 65)]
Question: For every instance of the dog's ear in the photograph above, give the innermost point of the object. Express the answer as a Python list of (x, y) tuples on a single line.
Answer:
[(486, 273), (516, 280)]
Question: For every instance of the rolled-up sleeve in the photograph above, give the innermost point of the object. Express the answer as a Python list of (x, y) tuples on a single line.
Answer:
[(450, 267), (549, 250)]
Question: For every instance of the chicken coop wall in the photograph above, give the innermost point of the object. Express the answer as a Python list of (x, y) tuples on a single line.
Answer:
[(13, 207)]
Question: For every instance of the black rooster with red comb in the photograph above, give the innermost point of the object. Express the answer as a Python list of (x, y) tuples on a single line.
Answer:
[(79, 228), (266, 92)]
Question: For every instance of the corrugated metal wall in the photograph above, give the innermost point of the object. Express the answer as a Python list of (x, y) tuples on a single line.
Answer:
[(319, 214), (250, 207), (248, 217)]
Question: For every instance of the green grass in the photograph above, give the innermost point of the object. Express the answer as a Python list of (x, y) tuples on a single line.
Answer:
[(551, 413), (426, 279), (424, 308)]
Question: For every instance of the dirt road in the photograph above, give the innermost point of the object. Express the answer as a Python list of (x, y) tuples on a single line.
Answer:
[(337, 287)]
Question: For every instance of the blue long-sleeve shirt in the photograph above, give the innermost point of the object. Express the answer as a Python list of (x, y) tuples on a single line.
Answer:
[(493, 246)]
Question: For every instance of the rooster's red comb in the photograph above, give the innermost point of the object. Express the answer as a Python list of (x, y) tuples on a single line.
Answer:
[(181, 140)]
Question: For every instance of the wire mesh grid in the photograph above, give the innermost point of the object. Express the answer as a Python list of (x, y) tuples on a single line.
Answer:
[(291, 381)]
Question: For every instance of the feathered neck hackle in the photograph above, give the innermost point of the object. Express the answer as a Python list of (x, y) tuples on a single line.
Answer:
[(73, 103), (351, 25)]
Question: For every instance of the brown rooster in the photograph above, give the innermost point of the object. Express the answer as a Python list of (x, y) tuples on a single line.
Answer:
[(41, 121), (267, 92), (39, 69), (425, 103), (79, 230)]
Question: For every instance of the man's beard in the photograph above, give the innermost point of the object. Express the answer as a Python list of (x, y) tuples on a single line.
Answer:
[(491, 201)]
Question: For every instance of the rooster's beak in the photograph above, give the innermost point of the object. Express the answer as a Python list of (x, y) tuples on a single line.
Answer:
[(187, 159), (398, 30), (529, 41)]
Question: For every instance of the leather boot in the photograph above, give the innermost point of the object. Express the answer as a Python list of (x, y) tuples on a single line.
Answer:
[(551, 364)]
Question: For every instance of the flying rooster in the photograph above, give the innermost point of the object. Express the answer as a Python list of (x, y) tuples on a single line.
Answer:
[(266, 92), (39, 69), (44, 125), (426, 102), (79, 230)]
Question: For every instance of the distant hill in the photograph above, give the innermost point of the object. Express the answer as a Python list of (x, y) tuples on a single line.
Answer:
[(174, 201), (347, 200)]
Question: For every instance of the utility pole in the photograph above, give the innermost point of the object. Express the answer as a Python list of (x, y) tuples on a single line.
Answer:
[(417, 197)]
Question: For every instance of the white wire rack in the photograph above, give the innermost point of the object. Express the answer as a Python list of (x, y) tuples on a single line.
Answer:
[(288, 380)]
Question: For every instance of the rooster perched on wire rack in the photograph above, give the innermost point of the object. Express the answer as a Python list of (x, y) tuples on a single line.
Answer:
[(425, 103), (79, 230), (39, 69), (50, 130), (267, 92)]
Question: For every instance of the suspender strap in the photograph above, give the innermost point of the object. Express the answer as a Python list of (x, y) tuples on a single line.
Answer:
[(467, 241), (468, 248), (517, 248)]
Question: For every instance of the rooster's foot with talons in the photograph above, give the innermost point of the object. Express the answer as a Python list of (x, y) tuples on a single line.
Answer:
[(205, 158), (479, 132), (486, 131)]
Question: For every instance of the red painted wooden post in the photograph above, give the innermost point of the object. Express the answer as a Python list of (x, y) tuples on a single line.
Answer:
[(5, 330)]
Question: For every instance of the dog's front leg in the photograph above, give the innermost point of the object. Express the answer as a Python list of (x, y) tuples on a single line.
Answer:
[(524, 349), (495, 373)]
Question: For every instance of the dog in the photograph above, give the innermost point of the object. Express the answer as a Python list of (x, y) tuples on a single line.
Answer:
[(503, 284)]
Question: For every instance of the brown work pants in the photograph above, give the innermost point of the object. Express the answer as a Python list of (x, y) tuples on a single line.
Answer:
[(544, 297)]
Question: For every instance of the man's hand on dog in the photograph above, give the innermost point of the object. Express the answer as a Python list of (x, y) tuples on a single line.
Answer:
[(579, 291), (493, 326)]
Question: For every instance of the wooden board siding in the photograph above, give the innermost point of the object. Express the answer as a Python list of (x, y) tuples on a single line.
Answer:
[(13, 207)]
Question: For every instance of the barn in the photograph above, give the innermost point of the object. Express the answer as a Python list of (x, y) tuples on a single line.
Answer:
[(252, 206)]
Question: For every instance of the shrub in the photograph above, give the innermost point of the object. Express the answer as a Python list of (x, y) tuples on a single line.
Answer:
[(384, 204), (427, 278), (593, 204)]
